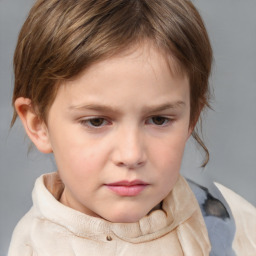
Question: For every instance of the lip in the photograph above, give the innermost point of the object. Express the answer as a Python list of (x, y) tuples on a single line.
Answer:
[(127, 188)]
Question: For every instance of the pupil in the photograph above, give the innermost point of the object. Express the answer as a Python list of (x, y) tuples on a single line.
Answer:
[(97, 121), (158, 120)]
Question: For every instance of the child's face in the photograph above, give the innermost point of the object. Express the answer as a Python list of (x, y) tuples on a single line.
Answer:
[(118, 133)]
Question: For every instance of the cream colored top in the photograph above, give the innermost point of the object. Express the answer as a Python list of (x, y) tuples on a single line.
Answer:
[(245, 218), (52, 229)]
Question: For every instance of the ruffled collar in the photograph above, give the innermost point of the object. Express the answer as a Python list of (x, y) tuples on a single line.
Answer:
[(177, 210)]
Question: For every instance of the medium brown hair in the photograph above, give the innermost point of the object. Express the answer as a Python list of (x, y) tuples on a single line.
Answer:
[(61, 38)]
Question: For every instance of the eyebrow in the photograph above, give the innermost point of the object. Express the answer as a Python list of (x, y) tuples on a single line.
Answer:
[(166, 106), (95, 107), (146, 109)]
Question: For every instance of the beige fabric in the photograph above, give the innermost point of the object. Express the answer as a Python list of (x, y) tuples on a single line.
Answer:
[(245, 217), (51, 228)]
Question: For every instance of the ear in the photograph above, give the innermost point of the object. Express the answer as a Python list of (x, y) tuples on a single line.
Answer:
[(35, 128)]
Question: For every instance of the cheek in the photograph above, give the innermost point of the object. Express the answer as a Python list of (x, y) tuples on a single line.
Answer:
[(80, 159), (77, 167), (169, 153), (167, 162)]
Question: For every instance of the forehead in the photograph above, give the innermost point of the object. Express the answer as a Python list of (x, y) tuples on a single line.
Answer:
[(138, 75), (142, 53)]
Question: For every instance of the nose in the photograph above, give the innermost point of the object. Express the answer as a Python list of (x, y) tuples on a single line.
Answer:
[(129, 149)]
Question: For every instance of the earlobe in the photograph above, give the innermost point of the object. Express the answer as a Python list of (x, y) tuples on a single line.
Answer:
[(35, 128)]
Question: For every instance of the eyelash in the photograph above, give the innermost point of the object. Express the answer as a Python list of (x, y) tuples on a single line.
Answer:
[(165, 120), (103, 122), (88, 122)]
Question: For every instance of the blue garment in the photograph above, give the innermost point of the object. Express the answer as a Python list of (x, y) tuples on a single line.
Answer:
[(217, 216)]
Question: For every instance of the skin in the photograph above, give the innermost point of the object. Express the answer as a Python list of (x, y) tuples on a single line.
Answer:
[(124, 118)]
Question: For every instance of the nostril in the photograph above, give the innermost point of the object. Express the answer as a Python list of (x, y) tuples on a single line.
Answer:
[(131, 165), (120, 164), (129, 152)]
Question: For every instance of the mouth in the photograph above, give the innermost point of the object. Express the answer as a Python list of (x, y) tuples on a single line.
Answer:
[(127, 188)]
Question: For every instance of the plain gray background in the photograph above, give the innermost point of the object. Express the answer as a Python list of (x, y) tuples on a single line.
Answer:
[(229, 131)]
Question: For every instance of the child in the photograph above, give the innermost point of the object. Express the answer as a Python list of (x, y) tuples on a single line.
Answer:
[(114, 90)]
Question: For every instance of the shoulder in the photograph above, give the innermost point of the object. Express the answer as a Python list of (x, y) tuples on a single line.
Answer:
[(21, 237), (245, 218), (217, 216), (36, 232), (230, 219)]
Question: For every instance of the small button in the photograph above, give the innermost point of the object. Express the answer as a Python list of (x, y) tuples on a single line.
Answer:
[(109, 238)]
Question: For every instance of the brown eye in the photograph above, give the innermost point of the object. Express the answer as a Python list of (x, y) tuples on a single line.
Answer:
[(96, 122), (158, 120)]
